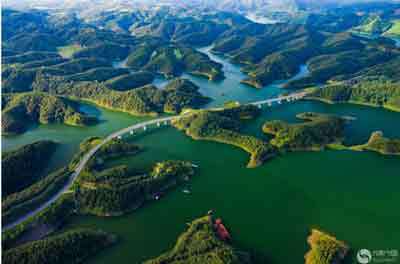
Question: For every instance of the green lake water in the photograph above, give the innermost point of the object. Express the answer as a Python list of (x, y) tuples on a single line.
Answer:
[(270, 209)]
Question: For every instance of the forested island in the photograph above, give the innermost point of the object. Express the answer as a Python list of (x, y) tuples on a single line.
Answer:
[(108, 191), (224, 126), (200, 244), (116, 190), (325, 249), (317, 131)]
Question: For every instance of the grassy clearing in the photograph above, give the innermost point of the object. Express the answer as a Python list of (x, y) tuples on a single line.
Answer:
[(68, 51), (394, 30)]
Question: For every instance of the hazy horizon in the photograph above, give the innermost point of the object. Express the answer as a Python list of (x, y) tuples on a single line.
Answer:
[(221, 4)]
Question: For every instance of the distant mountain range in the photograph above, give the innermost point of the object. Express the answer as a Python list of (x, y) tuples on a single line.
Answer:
[(260, 11), (229, 5)]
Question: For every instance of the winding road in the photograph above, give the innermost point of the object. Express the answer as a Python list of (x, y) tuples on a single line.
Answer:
[(119, 133)]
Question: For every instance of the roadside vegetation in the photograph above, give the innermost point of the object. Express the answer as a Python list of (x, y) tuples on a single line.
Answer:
[(19, 203)]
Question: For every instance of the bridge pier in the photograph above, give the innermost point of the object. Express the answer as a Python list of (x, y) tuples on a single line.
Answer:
[(269, 104), (131, 132), (144, 128), (279, 102), (165, 122), (259, 106), (158, 124)]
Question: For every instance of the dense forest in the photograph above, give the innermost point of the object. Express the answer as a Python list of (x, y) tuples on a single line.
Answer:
[(26, 109), (172, 61), (73, 246), (146, 100), (130, 81), (24, 166), (380, 93)]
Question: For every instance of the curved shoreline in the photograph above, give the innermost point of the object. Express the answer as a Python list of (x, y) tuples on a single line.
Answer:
[(327, 101)]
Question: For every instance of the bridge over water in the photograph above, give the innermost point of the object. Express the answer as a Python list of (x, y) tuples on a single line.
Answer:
[(130, 130)]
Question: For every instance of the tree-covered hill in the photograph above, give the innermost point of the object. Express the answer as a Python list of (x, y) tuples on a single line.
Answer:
[(130, 81), (373, 25), (104, 189), (317, 131), (23, 110), (382, 93), (145, 100), (276, 52), (24, 166), (173, 60), (107, 51), (224, 126), (33, 42), (189, 31), (73, 246), (200, 244)]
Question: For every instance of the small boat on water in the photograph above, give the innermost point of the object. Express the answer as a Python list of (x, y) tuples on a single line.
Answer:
[(157, 196), (187, 191), (349, 118), (194, 165), (221, 230)]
